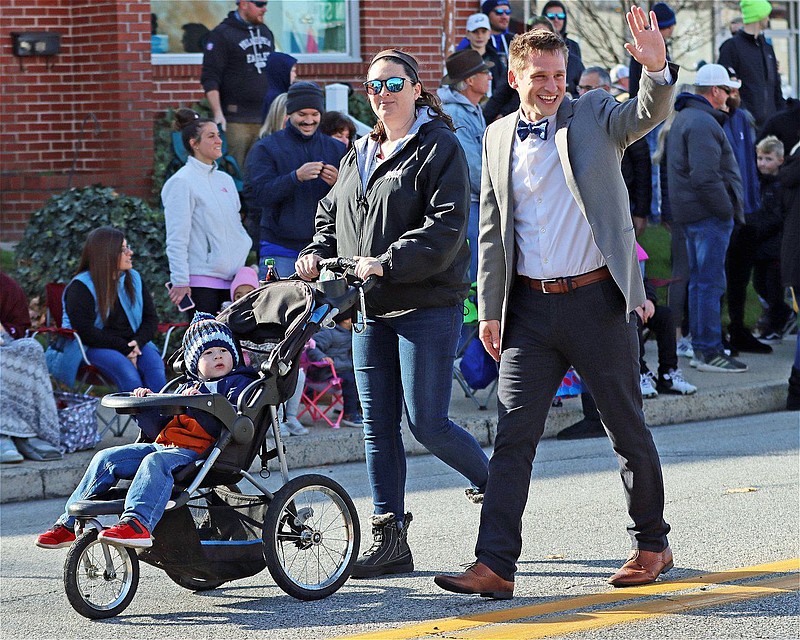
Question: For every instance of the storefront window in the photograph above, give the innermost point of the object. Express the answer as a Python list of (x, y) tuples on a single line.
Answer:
[(311, 30)]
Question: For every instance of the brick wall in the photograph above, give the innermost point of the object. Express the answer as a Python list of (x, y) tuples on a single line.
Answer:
[(104, 69)]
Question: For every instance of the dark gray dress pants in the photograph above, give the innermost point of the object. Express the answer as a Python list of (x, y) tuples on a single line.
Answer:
[(544, 334)]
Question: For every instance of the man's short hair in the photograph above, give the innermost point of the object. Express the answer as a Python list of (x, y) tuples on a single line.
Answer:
[(524, 44), (770, 144), (602, 74)]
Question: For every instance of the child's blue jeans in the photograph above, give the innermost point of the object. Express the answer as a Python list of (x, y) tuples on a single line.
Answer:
[(150, 466)]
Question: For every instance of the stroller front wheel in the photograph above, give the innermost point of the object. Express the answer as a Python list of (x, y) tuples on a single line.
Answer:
[(100, 579), (311, 537)]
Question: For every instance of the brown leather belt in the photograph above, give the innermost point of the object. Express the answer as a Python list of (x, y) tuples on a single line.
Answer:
[(566, 284)]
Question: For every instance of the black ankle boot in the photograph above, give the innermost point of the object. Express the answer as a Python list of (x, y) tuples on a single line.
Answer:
[(389, 552), (793, 399)]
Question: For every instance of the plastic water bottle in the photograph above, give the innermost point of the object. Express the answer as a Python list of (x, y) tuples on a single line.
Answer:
[(272, 272)]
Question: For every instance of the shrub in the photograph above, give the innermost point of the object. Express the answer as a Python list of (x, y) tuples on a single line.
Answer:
[(51, 247), (359, 108)]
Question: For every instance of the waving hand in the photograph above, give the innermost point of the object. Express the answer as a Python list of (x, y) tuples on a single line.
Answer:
[(648, 46)]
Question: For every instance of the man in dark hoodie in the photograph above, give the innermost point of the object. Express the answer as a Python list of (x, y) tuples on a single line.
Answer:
[(705, 190), (753, 57), (288, 173), (234, 77), (556, 13)]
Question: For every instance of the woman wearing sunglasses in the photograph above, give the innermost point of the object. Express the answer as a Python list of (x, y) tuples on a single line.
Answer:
[(110, 308), (400, 206), (556, 13)]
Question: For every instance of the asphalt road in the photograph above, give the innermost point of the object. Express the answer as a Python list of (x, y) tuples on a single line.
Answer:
[(732, 501)]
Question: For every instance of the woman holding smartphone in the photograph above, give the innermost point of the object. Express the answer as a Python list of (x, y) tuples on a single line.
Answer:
[(206, 242), (110, 308)]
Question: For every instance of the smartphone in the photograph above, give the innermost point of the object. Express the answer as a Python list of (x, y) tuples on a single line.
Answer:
[(186, 302)]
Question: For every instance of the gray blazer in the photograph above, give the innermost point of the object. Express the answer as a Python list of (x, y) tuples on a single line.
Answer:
[(591, 135)]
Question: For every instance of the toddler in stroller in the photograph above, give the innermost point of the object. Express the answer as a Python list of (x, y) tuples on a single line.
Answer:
[(210, 532), (210, 355)]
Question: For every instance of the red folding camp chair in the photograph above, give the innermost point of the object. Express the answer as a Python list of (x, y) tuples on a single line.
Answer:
[(322, 385)]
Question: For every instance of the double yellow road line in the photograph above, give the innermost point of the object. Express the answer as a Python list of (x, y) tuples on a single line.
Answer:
[(697, 592)]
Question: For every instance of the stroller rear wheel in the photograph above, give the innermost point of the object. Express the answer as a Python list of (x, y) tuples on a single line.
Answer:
[(194, 584), (311, 537), (100, 579)]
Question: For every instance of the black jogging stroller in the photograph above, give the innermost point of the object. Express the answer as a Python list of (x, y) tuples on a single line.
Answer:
[(306, 533)]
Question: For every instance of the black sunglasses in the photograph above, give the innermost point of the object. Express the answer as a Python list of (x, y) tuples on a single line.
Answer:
[(393, 85), (727, 90), (259, 3), (553, 16)]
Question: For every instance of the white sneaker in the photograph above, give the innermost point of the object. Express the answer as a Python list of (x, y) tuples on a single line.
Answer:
[(293, 426), (684, 349), (673, 382), (648, 389)]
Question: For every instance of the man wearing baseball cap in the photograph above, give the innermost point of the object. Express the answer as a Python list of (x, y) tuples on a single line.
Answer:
[(479, 38), (466, 83), (498, 13), (288, 173), (753, 57), (705, 190)]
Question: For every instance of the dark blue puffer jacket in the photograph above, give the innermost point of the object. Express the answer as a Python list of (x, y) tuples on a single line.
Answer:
[(287, 205)]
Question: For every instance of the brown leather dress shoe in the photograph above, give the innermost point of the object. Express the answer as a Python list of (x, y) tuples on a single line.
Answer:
[(480, 579), (642, 567)]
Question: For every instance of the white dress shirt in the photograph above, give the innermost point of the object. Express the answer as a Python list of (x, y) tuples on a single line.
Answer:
[(553, 238)]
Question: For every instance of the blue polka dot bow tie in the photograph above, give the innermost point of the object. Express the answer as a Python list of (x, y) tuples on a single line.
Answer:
[(525, 129)]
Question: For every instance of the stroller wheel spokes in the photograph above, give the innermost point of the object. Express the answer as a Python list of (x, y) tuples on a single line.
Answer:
[(100, 579), (311, 537)]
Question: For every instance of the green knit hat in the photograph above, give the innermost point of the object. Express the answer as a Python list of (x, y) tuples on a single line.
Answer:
[(754, 10)]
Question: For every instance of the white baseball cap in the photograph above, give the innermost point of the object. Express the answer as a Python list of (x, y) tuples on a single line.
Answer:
[(714, 75), (478, 21), (619, 72)]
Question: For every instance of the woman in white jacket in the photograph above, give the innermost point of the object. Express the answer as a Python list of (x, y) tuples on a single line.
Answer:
[(206, 242)]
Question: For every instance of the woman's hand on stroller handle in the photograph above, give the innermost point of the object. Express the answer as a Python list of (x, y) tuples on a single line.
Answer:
[(308, 267)]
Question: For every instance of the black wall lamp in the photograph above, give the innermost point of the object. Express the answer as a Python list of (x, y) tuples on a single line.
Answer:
[(35, 43)]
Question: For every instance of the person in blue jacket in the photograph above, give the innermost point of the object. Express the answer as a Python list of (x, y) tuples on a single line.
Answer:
[(110, 308), (281, 71), (288, 173)]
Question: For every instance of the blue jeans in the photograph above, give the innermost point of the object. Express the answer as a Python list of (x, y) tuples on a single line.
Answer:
[(148, 372), (706, 246), (655, 177), (407, 361), (149, 464)]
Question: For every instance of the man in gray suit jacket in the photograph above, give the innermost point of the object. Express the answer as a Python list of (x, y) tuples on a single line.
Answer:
[(558, 281)]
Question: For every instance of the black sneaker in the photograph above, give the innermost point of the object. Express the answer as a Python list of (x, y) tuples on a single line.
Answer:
[(719, 363), (742, 340), (389, 552), (771, 337), (584, 428)]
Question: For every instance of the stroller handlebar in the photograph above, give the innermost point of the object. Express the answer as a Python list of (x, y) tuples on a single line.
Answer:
[(341, 264)]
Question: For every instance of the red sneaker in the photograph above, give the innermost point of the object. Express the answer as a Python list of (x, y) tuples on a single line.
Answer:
[(56, 538), (128, 533)]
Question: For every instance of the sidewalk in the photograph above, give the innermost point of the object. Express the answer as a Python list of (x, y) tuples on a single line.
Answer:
[(761, 389)]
